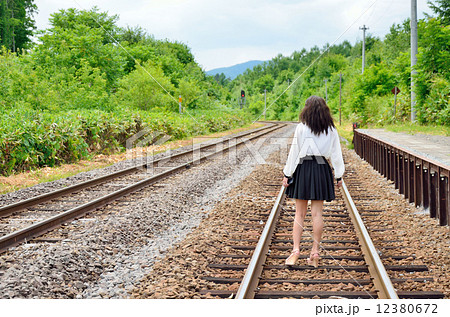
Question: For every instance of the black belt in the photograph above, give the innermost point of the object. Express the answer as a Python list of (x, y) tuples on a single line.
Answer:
[(317, 158)]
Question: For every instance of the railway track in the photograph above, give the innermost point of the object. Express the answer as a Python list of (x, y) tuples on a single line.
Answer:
[(352, 265), (25, 220)]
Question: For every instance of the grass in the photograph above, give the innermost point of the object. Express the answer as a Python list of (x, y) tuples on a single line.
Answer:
[(413, 128), (346, 131), (47, 174)]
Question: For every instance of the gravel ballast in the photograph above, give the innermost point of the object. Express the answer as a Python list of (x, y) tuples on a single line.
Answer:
[(179, 274), (156, 243)]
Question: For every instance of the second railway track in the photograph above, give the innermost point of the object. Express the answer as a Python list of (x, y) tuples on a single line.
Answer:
[(30, 218)]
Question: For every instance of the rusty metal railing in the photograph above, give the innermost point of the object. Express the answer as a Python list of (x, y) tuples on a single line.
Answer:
[(421, 180)]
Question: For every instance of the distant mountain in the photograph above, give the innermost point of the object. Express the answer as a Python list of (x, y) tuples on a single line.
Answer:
[(233, 71)]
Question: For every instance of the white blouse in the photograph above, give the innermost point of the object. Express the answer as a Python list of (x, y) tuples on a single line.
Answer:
[(305, 143)]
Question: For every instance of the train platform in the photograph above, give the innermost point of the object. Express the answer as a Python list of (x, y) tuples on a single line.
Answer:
[(434, 147)]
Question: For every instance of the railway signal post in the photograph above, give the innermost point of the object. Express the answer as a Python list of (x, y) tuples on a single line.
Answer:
[(242, 98), (395, 91), (265, 103)]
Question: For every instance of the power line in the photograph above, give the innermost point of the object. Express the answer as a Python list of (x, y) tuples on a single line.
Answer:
[(314, 61)]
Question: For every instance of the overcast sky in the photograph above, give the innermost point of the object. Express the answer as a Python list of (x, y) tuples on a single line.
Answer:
[(227, 32)]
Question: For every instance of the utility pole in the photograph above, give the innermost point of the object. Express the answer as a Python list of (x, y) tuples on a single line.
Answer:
[(265, 103), (363, 47), (340, 98), (13, 29), (326, 91), (396, 91), (414, 49), (4, 32)]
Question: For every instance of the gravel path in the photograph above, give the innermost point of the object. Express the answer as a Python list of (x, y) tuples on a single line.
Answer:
[(108, 252)]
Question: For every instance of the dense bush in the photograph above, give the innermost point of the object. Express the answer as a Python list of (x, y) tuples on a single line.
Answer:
[(85, 89), (30, 139), (433, 73)]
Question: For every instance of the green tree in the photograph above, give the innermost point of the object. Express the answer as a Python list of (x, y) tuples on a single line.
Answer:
[(145, 88), (134, 35), (433, 72), (77, 36), (265, 82), (71, 20), (16, 23), (370, 42), (190, 92), (343, 49), (397, 40), (221, 79), (442, 9)]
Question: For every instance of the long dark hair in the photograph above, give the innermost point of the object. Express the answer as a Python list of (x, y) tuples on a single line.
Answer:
[(316, 115)]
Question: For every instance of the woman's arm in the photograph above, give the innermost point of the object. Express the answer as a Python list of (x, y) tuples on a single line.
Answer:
[(336, 156), (290, 166)]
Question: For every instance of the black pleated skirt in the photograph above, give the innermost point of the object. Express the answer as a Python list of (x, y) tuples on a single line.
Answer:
[(313, 180)]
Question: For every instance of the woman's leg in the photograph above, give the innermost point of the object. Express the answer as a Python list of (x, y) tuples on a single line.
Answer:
[(317, 220), (301, 206)]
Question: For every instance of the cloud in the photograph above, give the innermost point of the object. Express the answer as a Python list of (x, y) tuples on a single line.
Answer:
[(222, 33)]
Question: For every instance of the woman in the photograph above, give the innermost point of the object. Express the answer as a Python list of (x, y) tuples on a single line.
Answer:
[(307, 174)]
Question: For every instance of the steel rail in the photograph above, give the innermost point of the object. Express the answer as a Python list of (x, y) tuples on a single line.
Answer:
[(9, 209), (381, 280), (46, 225), (247, 289)]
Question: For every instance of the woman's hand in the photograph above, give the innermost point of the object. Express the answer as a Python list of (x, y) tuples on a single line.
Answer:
[(339, 183), (285, 182)]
